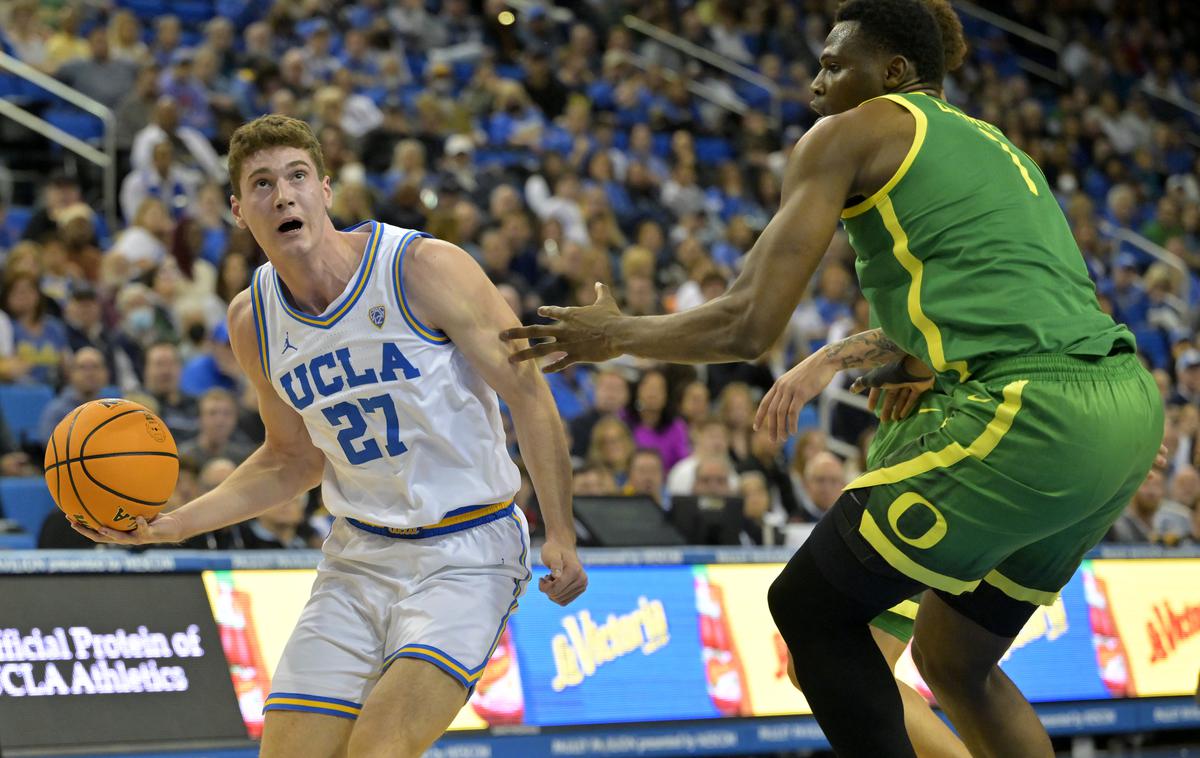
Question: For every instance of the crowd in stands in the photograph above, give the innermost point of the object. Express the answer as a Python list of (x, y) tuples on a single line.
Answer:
[(559, 148)]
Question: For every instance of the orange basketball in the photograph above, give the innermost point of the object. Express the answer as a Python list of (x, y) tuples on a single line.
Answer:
[(110, 461)]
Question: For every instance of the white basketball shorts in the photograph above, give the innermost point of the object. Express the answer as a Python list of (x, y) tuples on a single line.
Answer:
[(443, 599)]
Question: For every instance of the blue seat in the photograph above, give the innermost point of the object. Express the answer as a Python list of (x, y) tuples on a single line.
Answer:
[(27, 501), (146, 9), (85, 126), (22, 406), (713, 150), (193, 12), (16, 218), (19, 541)]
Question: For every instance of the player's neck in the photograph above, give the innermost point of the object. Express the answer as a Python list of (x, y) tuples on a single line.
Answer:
[(316, 277)]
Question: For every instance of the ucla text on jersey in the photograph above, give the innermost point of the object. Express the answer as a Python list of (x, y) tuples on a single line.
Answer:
[(411, 433)]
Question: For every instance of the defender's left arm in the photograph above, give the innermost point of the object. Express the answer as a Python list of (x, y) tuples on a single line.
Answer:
[(449, 291)]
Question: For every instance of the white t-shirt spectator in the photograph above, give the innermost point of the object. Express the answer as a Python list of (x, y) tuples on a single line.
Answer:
[(140, 248)]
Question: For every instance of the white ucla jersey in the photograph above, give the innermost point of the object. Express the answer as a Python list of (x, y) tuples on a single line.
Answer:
[(410, 432)]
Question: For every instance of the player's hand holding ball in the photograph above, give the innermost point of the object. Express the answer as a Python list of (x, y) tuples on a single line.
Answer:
[(111, 465)]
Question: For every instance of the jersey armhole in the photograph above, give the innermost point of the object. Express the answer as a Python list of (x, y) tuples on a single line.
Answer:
[(260, 322), (922, 127), (432, 336)]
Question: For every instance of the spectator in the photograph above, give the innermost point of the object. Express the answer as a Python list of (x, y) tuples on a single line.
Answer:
[(100, 76), (217, 435), (87, 375), (24, 33), (177, 410), (611, 447), (714, 475), (59, 193), (84, 319), (610, 394), (125, 38), (824, 478), (142, 246), (593, 479), (182, 83), (736, 408), (654, 422), (165, 180), (142, 316), (646, 476), (1187, 372), (216, 367), (211, 473), (1185, 489), (65, 44), (133, 113), (39, 339), (282, 527), (168, 34), (711, 438), (192, 148), (694, 404), (756, 504), (766, 457), (1145, 520)]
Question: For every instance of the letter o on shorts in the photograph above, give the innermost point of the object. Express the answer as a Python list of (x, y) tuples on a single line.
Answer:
[(901, 505)]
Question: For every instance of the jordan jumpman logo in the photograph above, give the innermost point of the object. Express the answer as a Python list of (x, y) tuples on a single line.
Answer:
[(287, 344)]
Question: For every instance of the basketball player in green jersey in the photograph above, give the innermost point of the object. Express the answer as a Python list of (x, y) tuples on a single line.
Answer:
[(969, 265)]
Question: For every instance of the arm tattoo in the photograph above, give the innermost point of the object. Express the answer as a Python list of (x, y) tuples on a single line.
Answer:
[(863, 350)]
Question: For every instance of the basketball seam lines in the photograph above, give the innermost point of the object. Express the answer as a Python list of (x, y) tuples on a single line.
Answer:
[(94, 480), (106, 455), (71, 476)]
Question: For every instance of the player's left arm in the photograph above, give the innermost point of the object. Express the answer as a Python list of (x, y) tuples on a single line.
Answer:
[(449, 291)]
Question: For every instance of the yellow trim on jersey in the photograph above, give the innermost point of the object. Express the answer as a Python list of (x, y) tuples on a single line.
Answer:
[(260, 322), (907, 566), (951, 454), (322, 704), (363, 275), (918, 140), (906, 608), (1019, 592), (916, 270), (437, 337), (459, 518)]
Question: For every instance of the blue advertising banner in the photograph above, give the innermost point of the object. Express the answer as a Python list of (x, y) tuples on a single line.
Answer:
[(628, 650), (1054, 658)]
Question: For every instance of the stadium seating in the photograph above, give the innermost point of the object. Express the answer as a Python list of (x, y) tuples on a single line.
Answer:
[(26, 501), (22, 406)]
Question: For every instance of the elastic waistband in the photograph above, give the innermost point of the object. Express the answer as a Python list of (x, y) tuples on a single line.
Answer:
[(1062, 367), (454, 521)]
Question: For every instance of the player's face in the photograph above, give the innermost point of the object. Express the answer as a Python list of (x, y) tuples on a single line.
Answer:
[(850, 73), (284, 203)]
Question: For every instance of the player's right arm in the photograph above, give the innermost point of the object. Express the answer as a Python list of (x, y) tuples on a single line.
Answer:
[(285, 466)]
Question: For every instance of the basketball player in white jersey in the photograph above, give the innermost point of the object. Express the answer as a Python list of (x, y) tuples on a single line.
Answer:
[(375, 357)]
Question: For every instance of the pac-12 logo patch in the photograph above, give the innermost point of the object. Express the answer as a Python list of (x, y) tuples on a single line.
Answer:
[(377, 315)]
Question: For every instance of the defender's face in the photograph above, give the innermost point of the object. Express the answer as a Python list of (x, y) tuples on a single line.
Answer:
[(284, 203), (851, 73)]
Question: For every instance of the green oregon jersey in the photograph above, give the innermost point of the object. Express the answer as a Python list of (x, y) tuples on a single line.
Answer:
[(965, 255)]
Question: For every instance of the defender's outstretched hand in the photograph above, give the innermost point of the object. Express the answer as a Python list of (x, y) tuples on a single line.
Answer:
[(567, 580), (582, 334), (165, 528)]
